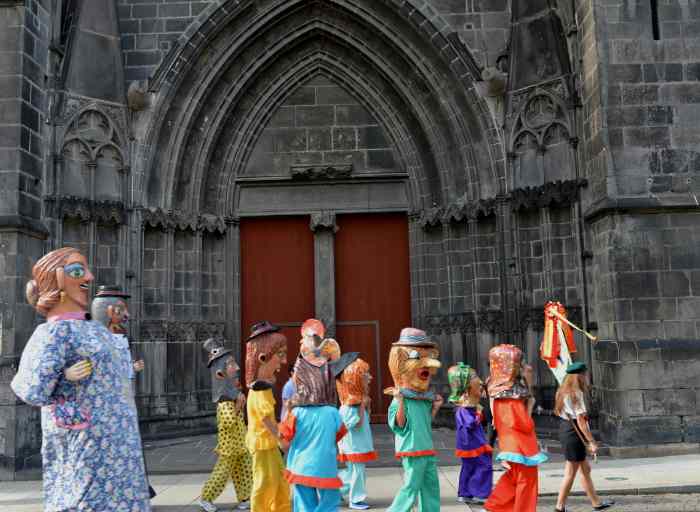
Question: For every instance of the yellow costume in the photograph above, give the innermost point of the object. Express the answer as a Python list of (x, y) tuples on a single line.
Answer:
[(234, 460), (270, 489)]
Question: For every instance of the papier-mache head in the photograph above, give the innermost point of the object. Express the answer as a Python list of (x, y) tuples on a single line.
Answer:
[(313, 375), (265, 353), (110, 308), (465, 385), (506, 379), (225, 372), (413, 360), (353, 383)]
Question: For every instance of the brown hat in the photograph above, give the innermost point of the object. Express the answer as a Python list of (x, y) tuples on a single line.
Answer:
[(260, 328), (216, 349), (111, 290)]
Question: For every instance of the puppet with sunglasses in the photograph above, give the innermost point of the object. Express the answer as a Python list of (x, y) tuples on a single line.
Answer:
[(413, 361), (72, 369)]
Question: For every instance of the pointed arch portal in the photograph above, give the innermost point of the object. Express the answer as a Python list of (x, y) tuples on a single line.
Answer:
[(355, 113)]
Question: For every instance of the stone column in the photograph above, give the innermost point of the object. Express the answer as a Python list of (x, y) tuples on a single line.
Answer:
[(324, 227)]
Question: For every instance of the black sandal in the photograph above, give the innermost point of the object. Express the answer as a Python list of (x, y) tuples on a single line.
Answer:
[(604, 504), (559, 509)]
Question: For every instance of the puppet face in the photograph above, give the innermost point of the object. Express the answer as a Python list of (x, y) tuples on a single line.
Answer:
[(225, 380), (506, 380), (74, 280), (118, 314), (413, 367), (269, 366), (353, 383)]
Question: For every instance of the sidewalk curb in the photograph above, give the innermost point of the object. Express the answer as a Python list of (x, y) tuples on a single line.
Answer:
[(636, 491)]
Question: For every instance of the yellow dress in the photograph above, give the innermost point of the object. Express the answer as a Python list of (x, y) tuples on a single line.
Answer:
[(234, 459), (270, 488)]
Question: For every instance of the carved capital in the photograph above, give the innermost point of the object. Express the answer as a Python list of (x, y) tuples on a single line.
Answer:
[(212, 224), (431, 217), (324, 220), (491, 320)]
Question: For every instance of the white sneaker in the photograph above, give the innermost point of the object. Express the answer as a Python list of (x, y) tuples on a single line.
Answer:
[(205, 505), (243, 505)]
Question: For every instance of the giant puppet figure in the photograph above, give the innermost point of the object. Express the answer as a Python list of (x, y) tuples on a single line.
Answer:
[(512, 401), (72, 369), (413, 361), (234, 461), (110, 308), (357, 447), (266, 351), (475, 477), (313, 425)]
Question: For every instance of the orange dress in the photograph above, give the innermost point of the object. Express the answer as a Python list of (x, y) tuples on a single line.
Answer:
[(516, 490)]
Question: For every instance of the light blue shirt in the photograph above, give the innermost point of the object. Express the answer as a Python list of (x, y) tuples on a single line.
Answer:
[(359, 436)]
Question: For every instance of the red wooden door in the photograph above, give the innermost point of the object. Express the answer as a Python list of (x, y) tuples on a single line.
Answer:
[(373, 294), (277, 277)]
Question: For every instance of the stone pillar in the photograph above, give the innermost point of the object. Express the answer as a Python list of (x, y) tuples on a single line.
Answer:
[(22, 234), (324, 227), (233, 287)]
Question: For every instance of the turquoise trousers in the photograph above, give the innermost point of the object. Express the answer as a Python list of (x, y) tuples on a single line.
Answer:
[(420, 485), (354, 482)]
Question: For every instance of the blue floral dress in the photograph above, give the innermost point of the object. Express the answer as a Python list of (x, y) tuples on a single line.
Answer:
[(91, 446)]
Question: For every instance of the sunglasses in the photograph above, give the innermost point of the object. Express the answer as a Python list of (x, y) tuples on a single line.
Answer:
[(75, 270)]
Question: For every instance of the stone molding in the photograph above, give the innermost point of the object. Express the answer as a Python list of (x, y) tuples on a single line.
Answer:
[(183, 221), (86, 210), (553, 193), (453, 323), (463, 210), (320, 172), (491, 320), (323, 221), (180, 331)]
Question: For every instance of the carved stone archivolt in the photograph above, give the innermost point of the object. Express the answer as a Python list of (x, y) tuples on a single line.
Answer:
[(180, 331), (86, 210), (184, 221), (558, 193), (320, 172)]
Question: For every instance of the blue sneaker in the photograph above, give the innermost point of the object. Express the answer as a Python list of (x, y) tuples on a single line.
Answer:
[(360, 505)]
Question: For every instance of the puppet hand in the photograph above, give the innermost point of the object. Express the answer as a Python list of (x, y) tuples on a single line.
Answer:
[(505, 465), (79, 371), (240, 401), (139, 365)]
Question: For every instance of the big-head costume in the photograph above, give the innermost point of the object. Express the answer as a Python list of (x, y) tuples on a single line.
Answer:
[(313, 425), (516, 491), (475, 477), (266, 351), (91, 448), (413, 361), (110, 308), (357, 447), (234, 459)]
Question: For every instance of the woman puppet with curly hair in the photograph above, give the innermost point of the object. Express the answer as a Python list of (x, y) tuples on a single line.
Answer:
[(71, 369)]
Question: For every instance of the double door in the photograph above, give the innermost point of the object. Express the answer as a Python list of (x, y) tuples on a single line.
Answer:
[(370, 277)]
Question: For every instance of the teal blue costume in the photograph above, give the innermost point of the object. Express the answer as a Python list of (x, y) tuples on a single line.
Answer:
[(414, 446)]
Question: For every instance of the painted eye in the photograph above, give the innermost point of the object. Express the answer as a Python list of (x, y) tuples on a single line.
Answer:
[(76, 271)]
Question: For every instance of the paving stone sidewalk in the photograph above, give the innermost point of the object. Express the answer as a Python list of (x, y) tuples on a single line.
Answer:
[(196, 454)]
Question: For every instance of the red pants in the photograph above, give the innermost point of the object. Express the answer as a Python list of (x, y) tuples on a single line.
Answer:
[(516, 491)]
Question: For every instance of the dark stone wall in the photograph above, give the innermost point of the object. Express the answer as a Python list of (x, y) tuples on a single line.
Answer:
[(23, 62), (321, 124)]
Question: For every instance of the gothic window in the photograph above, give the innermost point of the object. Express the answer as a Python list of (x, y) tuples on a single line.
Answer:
[(93, 163), (541, 143)]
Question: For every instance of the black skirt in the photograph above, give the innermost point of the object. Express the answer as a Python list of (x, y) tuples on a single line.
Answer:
[(574, 449)]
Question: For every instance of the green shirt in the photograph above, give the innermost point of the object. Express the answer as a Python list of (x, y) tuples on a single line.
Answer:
[(415, 438)]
